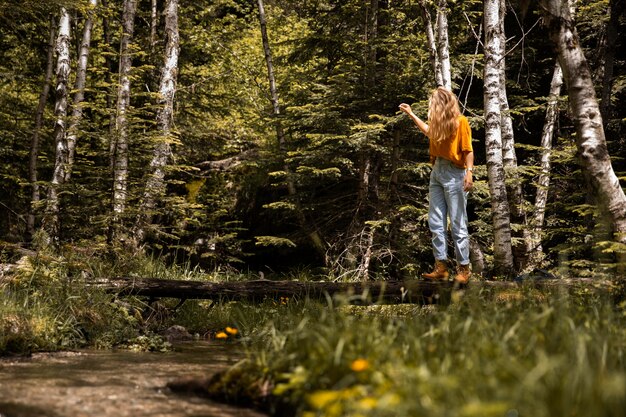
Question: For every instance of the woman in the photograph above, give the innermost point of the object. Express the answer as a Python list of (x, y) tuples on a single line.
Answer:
[(452, 157)]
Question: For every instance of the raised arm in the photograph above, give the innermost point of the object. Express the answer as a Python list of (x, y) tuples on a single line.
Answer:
[(418, 122)]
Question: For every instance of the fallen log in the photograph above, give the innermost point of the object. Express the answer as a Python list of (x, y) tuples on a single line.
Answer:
[(368, 291)]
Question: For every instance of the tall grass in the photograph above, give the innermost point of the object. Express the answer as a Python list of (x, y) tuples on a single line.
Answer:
[(554, 356)]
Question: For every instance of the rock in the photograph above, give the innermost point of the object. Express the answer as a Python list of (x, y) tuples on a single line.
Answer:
[(176, 333)]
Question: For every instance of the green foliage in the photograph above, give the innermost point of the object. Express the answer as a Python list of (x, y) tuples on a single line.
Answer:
[(349, 159), (486, 354)]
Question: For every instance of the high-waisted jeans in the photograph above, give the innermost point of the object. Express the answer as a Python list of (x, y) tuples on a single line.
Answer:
[(447, 198)]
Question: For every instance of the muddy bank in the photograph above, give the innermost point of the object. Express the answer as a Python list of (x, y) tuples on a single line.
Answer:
[(114, 383)]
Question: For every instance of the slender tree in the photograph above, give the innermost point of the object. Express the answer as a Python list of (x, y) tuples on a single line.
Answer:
[(312, 232), (155, 185), (154, 22), (590, 139), (34, 146), (119, 141), (79, 88), (543, 181), (432, 44), (443, 46), (372, 35), (509, 157), (617, 8), (51, 217), (503, 256)]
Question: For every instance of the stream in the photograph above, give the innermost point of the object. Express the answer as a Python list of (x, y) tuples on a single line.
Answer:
[(114, 383)]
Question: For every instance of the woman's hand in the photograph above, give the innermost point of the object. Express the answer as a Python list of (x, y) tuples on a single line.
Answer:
[(468, 182), (405, 108)]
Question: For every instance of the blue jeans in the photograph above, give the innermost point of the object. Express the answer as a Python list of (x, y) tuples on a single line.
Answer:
[(447, 198)]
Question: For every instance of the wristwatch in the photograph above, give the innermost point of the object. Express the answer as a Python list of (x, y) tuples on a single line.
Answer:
[(470, 169)]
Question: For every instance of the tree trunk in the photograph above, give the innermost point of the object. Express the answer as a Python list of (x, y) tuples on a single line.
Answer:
[(79, 88), (415, 291), (270, 73), (119, 141), (34, 146), (372, 35), (395, 162), (513, 182), (154, 22), (51, 217), (108, 63), (543, 182), (503, 257), (443, 46), (432, 44), (155, 186), (590, 140), (617, 7), (310, 230)]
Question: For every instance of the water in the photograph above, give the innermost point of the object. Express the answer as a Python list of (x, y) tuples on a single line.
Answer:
[(113, 383)]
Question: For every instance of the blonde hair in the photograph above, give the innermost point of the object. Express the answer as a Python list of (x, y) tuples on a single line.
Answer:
[(443, 115)]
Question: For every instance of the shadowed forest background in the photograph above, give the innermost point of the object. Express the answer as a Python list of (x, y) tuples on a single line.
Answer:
[(336, 180)]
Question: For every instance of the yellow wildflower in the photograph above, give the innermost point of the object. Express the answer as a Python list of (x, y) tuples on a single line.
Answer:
[(368, 403), (221, 335), (231, 330), (359, 365)]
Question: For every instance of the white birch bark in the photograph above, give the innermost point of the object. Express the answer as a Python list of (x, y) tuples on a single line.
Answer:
[(503, 257), (432, 45), (155, 186), (79, 88), (34, 144), (443, 47), (590, 139), (513, 183), (543, 181), (119, 142), (51, 217), (508, 137), (154, 21)]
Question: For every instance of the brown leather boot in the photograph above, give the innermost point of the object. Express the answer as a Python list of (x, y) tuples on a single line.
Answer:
[(462, 274), (440, 273)]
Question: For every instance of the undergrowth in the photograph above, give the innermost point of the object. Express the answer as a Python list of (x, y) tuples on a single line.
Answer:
[(479, 356), (49, 302)]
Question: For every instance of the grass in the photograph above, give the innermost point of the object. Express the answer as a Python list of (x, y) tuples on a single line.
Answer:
[(484, 354), (546, 356)]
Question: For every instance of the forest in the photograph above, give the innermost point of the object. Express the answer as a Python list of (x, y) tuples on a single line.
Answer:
[(121, 133), (234, 141)]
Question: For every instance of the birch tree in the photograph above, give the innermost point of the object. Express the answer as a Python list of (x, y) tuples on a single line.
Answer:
[(154, 21), (51, 216), (311, 231), (34, 146), (503, 257), (155, 185), (79, 88), (590, 140), (543, 181), (443, 46), (119, 141), (509, 158), (432, 44)]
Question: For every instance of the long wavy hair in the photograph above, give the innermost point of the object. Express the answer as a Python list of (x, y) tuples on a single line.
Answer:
[(443, 114)]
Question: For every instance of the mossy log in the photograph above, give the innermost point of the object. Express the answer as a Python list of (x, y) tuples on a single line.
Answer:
[(367, 291)]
